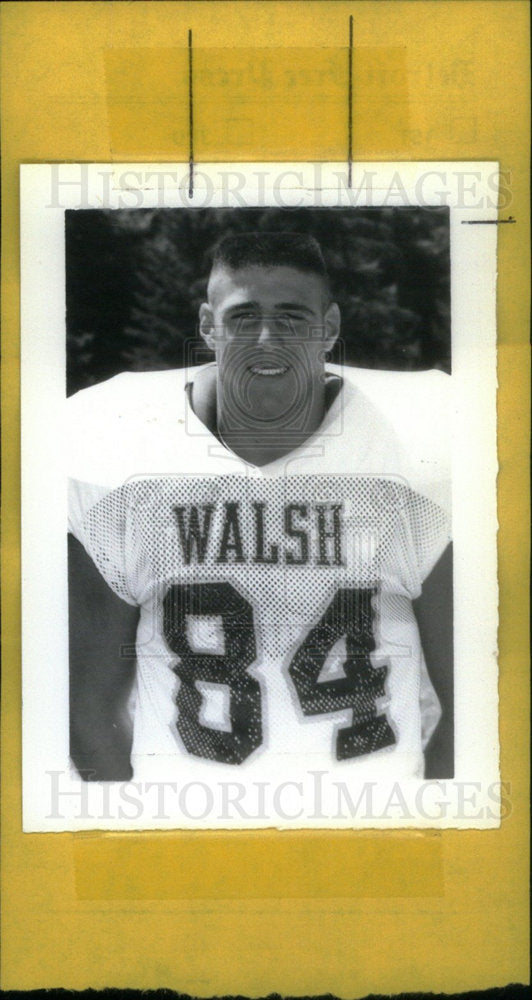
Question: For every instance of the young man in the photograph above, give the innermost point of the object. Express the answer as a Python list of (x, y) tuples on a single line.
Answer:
[(258, 529)]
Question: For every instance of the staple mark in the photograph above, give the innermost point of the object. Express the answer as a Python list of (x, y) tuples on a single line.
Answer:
[(488, 222), (190, 118), (350, 105)]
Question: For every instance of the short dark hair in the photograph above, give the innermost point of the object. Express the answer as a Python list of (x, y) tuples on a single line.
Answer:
[(298, 250)]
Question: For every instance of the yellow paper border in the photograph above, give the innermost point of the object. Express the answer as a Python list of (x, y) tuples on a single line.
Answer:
[(465, 98)]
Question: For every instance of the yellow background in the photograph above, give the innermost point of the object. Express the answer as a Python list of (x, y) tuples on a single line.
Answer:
[(307, 913)]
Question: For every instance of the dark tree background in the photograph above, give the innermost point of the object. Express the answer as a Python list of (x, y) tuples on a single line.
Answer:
[(135, 280)]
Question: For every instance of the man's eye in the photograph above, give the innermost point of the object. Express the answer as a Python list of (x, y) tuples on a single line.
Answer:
[(293, 318)]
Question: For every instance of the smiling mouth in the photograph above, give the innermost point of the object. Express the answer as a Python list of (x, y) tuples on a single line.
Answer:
[(268, 369)]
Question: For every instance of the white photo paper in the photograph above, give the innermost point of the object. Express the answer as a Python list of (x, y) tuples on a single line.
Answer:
[(259, 412)]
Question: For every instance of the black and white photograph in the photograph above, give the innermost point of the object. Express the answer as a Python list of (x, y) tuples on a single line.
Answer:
[(262, 415)]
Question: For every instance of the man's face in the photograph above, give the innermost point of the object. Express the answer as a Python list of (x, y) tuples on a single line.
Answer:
[(270, 328)]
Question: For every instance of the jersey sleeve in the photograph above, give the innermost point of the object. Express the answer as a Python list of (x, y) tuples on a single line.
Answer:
[(98, 519), (417, 405), (96, 513), (429, 526)]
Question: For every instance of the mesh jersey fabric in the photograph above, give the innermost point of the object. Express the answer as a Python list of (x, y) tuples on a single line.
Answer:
[(276, 628)]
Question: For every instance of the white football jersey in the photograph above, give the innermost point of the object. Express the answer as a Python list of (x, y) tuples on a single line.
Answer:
[(276, 627)]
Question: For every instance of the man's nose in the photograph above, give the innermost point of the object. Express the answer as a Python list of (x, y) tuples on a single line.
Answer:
[(268, 333)]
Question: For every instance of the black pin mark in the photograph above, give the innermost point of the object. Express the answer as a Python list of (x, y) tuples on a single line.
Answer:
[(190, 120), (488, 222), (350, 105)]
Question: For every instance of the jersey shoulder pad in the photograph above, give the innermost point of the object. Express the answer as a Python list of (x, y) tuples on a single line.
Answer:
[(120, 427), (417, 406), (127, 394), (400, 395)]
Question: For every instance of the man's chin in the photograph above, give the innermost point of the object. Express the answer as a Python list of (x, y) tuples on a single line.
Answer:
[(265, 392)]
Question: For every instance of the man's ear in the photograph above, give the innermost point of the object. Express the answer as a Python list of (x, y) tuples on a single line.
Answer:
[(332, 325), (206, 325)]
